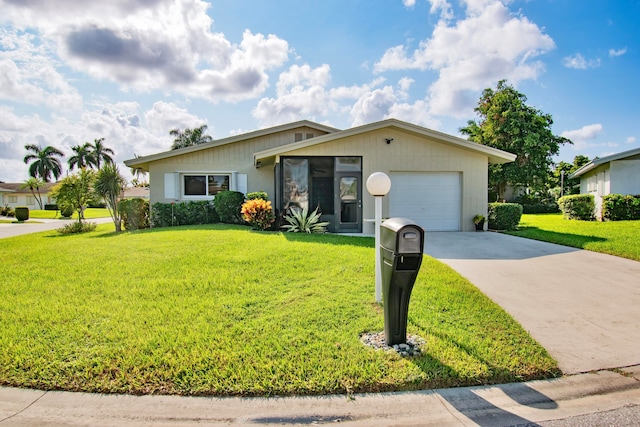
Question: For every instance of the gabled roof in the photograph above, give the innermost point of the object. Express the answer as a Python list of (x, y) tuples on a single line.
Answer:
[(16, 187), (143, 162), (597, 162), (495, 156)]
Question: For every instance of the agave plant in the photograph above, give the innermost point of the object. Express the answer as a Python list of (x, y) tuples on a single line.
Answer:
[(301, 221)]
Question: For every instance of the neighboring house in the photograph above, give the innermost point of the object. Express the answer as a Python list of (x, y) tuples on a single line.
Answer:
[(12, 195), (136, 193), (438, 180), (615, 174)]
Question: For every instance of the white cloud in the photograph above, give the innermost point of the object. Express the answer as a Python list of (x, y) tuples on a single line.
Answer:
[(126, 129), (581, 137), (409, 3), (302, 92), (417, 113), (373, 106), (489, 44), (579, 62), (164, 116), (617, 52), (444, 7), (153, 44), (29, 73), (631, 139)]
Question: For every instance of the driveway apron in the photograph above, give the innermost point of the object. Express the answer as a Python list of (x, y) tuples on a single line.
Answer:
[(582, 306)]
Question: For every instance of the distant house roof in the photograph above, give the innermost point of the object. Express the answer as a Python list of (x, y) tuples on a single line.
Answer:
[(136, 193), (143, 162), (600, 161), (15, 187)]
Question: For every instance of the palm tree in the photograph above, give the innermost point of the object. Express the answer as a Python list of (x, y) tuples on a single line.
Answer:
[(82, 158), (189, 137), (137, 175), (45, 162), (110, 185), (34, 184), (100, 152)]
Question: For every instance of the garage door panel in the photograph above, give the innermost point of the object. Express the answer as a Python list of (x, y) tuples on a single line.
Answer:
[(433, 200)]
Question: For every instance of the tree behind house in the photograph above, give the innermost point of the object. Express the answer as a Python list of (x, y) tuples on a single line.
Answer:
[(189, 137), (75, 191), (509, 124), (44, 162), (34, 184)]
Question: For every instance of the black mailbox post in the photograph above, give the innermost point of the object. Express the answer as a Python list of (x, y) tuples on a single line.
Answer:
[(401, 246)]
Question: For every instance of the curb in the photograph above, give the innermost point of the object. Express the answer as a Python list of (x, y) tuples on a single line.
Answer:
[(505, 404)]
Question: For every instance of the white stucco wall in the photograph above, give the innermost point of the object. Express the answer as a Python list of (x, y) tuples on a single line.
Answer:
[(625, 177)]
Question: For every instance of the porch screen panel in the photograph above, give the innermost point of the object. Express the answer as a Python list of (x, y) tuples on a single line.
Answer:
[(296, 183)]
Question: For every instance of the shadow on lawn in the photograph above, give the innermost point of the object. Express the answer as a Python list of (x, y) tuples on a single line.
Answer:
[(469, 400), (567, 239), (326, 238)]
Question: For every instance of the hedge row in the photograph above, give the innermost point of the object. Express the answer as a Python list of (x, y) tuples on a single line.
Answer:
[(578, 206), (618, 207), (186, 213), (504, 216)]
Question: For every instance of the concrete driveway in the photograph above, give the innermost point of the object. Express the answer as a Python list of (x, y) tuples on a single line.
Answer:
[(582, 306)]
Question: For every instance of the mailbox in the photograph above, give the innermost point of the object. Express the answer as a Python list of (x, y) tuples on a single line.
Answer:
[(401, 247)]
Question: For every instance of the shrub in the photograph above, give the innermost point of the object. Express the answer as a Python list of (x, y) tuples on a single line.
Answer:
[(578, 206), (532, 204), (504, 216), (52, 207), (258, 195), (66, 211), (187, 213), (7, 211), (134, 213), (228, 204), (77, 227), (258, 213), (22, 213), (618, 207), (301, 221)]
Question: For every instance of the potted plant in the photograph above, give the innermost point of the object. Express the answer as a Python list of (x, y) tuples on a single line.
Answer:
[(479, 221)]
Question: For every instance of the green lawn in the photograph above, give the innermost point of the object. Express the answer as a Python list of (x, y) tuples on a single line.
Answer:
[(89, 213), (619, 238), (223, 310)]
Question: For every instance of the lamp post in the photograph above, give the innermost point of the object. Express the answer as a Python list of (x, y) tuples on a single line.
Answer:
[(378, 185)]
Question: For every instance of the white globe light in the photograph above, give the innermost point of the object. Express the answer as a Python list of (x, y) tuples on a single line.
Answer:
[(378, 184)]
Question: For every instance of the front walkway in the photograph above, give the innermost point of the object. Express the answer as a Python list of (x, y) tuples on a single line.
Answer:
[(582, 306)]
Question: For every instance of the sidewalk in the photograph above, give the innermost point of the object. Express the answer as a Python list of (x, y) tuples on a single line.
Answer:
[(501, 405)]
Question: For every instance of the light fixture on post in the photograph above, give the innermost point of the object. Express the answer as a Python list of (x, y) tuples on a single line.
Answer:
[(378, 185)]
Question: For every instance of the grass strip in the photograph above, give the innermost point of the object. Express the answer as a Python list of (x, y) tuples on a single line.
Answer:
[(619, 238)]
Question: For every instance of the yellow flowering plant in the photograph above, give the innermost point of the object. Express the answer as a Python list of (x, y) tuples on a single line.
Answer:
[(258, 213)]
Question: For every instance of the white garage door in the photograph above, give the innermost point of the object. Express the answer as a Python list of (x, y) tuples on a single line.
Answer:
[(432, 199)]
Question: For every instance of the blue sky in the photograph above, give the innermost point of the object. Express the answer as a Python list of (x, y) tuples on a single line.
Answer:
[(132, 70)]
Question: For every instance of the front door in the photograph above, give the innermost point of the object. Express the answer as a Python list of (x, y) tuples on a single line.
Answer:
[(348, 204)]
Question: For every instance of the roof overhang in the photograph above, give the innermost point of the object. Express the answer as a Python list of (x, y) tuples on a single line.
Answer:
[(600, 161), (494, 155), (142, 163)]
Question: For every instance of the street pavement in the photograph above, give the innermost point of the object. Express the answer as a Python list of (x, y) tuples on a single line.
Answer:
[(581, 306), (37, 225)]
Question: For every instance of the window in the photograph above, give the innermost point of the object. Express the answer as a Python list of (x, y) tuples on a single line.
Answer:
[(205, 185), (31, 200), (13, 199)]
